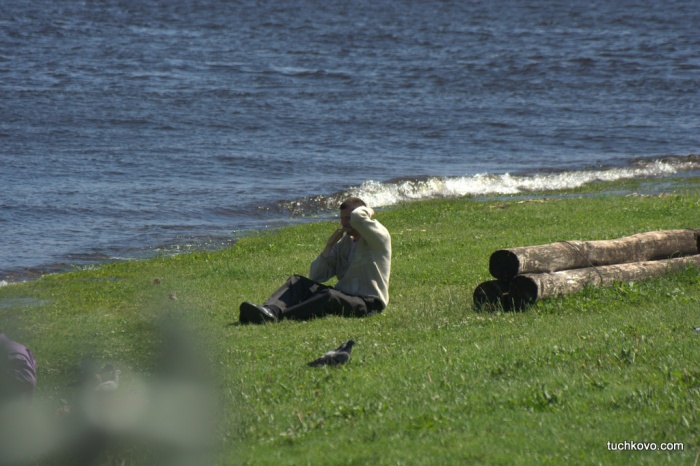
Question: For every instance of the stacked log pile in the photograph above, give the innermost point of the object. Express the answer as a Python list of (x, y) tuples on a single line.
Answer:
[(523, 275)]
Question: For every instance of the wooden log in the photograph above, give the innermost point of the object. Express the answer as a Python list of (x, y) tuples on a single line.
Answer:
[(528, 288), (493, 296), (505, 264)]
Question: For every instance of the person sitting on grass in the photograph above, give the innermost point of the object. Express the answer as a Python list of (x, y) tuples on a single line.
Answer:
[(358, 254), (17, 371)]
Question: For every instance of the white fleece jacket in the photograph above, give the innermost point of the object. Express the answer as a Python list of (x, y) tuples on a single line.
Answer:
[(362, 269)]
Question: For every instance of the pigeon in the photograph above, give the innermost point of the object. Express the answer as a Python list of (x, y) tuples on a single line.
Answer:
[(336, 357)]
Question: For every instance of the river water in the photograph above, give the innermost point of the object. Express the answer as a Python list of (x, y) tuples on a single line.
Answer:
[(133, 128)]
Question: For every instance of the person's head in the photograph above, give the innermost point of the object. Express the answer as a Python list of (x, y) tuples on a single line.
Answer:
[(352, 203), (346, 208)]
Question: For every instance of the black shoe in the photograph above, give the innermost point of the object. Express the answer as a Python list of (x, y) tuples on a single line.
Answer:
[(254, 314)]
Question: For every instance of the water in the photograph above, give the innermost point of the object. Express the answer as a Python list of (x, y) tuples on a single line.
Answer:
[(133, 128)]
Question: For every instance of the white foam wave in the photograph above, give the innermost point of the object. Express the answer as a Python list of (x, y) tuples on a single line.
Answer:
[(385, 194)]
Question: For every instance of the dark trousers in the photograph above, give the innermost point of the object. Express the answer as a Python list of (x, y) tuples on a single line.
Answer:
[(302, 299)]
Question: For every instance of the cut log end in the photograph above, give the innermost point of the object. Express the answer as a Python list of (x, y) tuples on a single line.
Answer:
[(504, 264), (492, 296), (523, 291)]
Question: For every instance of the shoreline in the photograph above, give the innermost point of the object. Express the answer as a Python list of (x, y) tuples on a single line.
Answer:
[(630, 187)]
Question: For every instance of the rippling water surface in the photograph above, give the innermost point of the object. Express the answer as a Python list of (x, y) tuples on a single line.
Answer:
[(128, 128)]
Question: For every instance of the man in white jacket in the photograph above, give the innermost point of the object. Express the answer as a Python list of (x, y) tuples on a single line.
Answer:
[(358, 254)]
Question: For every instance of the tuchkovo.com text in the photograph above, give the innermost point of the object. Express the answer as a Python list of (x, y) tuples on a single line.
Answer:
[(645, 446)]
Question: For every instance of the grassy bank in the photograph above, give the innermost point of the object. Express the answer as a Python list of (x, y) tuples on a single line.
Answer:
[(431, 381)]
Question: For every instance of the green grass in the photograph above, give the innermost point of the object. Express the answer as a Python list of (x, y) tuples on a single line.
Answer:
[(431, 381)]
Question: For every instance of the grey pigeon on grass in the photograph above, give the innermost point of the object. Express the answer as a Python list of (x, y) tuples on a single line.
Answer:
[(336, 357)]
